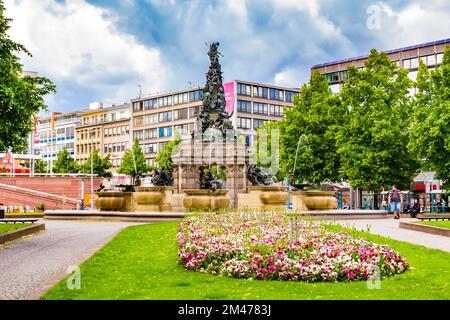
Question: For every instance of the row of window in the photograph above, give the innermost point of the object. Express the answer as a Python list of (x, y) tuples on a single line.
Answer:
[(266, 93), (186, 97), (57, 139), (246, 123), (115, 147), (117, 131), (182, 129), (180, 114), (259, 108), (153, 148), (410, 63), (47, 134)]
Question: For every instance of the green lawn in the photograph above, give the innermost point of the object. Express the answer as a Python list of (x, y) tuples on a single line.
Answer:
[(7, 227), (140, 263), (442, 224)]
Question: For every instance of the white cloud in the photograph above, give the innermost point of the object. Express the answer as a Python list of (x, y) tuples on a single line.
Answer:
[(76, 42), (415, 23)]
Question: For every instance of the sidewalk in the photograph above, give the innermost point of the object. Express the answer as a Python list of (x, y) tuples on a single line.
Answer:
[(389, 228)]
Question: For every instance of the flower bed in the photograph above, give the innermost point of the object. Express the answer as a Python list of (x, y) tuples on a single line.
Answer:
[(276, 247)]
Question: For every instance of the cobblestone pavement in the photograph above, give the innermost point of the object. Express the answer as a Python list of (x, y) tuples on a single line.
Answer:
[(33, 264), (389, 228)]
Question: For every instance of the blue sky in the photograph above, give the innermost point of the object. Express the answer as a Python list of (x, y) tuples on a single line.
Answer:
[(101, 50)]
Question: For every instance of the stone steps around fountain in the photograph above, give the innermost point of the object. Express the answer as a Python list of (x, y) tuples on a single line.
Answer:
[(173, 216)]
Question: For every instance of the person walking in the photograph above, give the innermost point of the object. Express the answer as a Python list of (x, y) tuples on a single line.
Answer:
[(394, 199)]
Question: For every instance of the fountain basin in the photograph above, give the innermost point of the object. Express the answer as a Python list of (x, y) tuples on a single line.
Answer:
[(203, 199), (313, 200), (153, 199), (264, 198), (109, 201)]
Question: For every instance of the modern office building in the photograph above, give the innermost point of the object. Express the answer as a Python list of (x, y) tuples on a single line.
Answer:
[(53, 133), (106, 128), (430, 53), (155, 119)]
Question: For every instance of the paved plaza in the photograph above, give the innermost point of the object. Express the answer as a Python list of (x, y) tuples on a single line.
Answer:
[(389, 228), (30, 265)]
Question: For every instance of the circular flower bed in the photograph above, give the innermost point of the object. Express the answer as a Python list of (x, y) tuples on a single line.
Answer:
[(276, 247)]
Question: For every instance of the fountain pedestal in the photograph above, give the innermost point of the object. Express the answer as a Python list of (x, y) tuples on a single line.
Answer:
[(313, 200), (203, 199), (114, 201), (264, 198), (153, 199)]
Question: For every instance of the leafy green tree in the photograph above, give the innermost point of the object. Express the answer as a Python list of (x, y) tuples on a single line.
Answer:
[(373, 141), (133, 162), (430, 129), (40, 166), (21, 97), (311, 127), (100, 165), (164, 158), (64, 163)]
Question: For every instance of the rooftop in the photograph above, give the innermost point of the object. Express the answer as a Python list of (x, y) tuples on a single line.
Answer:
[(417, 46)]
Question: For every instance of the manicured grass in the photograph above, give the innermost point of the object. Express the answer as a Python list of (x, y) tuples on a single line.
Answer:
[(140, 263), (7, 227), (442, 224)]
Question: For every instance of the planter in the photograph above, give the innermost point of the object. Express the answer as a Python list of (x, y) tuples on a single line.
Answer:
[(109, 201), (313, 200), (201, 199), (153, 199), (264, 198)]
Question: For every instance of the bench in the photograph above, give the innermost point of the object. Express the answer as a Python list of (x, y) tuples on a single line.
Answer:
[(434, 217), (18, 220)]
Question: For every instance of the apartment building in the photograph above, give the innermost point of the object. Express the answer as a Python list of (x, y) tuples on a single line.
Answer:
[(105, 128), (155, 119), (53, 133), (431, 53)]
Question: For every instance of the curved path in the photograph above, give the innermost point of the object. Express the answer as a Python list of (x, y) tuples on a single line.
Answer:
[(389, 228), (29, 266)]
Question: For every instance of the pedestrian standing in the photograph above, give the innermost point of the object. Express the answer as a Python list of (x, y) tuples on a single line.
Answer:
[(443, 205), (394, 199)]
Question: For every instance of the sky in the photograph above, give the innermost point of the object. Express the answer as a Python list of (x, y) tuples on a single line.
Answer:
[(103, 50)]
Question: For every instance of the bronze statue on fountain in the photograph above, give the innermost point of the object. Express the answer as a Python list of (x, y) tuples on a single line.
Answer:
[(213, 114)]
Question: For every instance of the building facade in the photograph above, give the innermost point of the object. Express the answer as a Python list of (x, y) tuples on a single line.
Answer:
[(54, 133), (430, 53), (155, 119), (106, 129)]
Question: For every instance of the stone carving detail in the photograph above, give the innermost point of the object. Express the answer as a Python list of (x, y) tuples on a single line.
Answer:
[(258, 177)]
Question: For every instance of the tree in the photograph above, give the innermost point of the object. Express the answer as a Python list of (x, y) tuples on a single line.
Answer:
[(373, 141), (133, 162), (164, 158), (100, 165), (40, 166), (310, 126), (64, 163), (21, 97), (430, 130)]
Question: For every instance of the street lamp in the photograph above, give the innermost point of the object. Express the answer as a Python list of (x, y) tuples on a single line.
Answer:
[(92, 172)]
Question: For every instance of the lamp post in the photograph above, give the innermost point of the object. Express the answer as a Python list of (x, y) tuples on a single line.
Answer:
[(92, 172)]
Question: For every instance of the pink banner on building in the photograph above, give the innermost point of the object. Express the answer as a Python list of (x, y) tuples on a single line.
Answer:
[(229, 96)]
